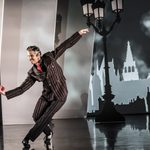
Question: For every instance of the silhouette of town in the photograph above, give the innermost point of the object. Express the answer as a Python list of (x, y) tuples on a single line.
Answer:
[(132, 95)]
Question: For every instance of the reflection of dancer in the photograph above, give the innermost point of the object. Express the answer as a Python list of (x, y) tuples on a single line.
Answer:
[(45, 69)]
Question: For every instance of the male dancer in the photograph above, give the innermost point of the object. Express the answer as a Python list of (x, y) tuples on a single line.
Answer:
[(45, 69)]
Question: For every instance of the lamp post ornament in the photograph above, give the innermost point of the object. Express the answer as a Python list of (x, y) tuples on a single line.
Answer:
[(90, 8)]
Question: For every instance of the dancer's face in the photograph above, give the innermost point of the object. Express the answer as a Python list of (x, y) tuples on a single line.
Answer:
[(34, 56)]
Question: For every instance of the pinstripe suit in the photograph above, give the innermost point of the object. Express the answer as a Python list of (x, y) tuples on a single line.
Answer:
[(54, 88)]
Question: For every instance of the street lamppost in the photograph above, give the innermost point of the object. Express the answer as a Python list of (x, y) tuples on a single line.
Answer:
[(90, 8)]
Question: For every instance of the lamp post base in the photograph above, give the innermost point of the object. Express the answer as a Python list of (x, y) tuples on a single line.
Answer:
[(109, 114)]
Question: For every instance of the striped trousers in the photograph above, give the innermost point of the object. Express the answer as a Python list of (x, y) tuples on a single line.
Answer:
[(43, 113)]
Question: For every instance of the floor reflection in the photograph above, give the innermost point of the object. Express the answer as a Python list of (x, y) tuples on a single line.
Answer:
[(82, 134), (134, 134), (111, 132)]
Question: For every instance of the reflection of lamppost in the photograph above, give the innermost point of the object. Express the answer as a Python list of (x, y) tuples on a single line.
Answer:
[(97, 8)]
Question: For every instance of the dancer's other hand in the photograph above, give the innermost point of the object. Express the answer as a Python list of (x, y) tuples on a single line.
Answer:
[(2, 90)]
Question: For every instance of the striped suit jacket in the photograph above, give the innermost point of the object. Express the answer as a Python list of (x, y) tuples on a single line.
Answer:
[(54, 75)]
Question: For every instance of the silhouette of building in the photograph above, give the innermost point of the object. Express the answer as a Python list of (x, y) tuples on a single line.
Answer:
[(132, 107), (130, 70), (131, 94)]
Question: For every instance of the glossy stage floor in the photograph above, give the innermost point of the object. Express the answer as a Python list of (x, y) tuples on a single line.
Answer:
[(82, 134)]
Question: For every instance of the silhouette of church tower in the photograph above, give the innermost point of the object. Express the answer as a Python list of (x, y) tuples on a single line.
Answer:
[(129, 70)]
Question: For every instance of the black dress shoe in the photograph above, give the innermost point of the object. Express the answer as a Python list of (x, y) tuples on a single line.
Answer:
[(48, 142), (26, 144)]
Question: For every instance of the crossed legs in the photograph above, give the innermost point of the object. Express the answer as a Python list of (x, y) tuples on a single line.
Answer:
[(39, 110), (43, 113)]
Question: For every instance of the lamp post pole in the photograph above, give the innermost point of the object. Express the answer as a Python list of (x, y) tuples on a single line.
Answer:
[(108, 113)]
